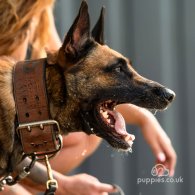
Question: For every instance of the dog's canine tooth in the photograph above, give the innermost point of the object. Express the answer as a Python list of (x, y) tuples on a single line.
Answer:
[(105, 114), (127, 138)]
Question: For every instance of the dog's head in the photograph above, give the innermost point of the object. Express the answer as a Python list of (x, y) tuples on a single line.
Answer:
[(97, 79)]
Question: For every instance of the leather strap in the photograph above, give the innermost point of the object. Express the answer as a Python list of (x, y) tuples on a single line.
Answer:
[(29, 90), (32, 107)]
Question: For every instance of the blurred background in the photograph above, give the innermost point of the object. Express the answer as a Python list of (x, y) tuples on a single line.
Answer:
[(159, 37)]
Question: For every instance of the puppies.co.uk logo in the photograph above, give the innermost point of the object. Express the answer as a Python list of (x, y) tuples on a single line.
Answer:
[(159, 170), (160, 175)]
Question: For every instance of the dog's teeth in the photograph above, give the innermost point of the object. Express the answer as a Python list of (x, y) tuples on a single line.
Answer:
[(105, 114), (108, 120), (127, 138)]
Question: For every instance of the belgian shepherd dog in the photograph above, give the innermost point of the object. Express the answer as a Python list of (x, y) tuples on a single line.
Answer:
[(85, 81)]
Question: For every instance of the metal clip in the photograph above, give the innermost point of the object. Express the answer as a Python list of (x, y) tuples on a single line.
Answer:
[(51, 182)]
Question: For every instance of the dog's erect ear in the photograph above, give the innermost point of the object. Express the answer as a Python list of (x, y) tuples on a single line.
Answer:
[(77, 36), (98, 30), (78, 33)]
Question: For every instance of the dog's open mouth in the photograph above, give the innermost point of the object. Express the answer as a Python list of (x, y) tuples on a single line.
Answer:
[(113, 126)]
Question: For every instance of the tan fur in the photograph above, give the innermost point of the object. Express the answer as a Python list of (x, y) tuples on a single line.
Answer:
[(7, 107)]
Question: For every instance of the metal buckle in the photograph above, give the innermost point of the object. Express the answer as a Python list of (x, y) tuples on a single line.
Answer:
[(38, 123), (41, 125)]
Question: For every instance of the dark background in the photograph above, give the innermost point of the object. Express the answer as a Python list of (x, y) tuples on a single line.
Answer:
[(159, 37)]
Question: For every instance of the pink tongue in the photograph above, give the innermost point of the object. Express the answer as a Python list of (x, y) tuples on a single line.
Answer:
[(120, 126)]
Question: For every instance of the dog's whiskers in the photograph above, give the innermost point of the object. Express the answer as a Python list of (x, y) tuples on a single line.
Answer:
[(155, 112)]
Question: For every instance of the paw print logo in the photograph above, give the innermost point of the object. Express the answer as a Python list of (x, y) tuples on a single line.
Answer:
[(159, 170)]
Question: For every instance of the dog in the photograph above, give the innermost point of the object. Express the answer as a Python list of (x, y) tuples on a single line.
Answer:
[(85, 81)]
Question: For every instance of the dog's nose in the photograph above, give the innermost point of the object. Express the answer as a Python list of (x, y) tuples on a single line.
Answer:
[(166, 93), (169, 94)]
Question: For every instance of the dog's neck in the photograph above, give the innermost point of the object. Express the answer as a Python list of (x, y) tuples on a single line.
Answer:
[(61, 105)]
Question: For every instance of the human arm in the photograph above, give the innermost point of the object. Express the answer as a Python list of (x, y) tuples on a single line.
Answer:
[(16, 189), (82, 184), (76, 148), (153, 133)]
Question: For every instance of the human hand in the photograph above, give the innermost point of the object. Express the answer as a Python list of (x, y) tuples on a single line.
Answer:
[(159, 142), (153, 134), (84, 184)]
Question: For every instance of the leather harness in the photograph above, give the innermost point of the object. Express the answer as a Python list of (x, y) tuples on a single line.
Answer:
[(39, 134)]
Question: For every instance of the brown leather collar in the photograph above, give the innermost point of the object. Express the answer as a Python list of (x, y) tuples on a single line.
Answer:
[(38, 133)]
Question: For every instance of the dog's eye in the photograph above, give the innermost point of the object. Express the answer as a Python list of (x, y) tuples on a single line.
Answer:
[(118, 69)]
